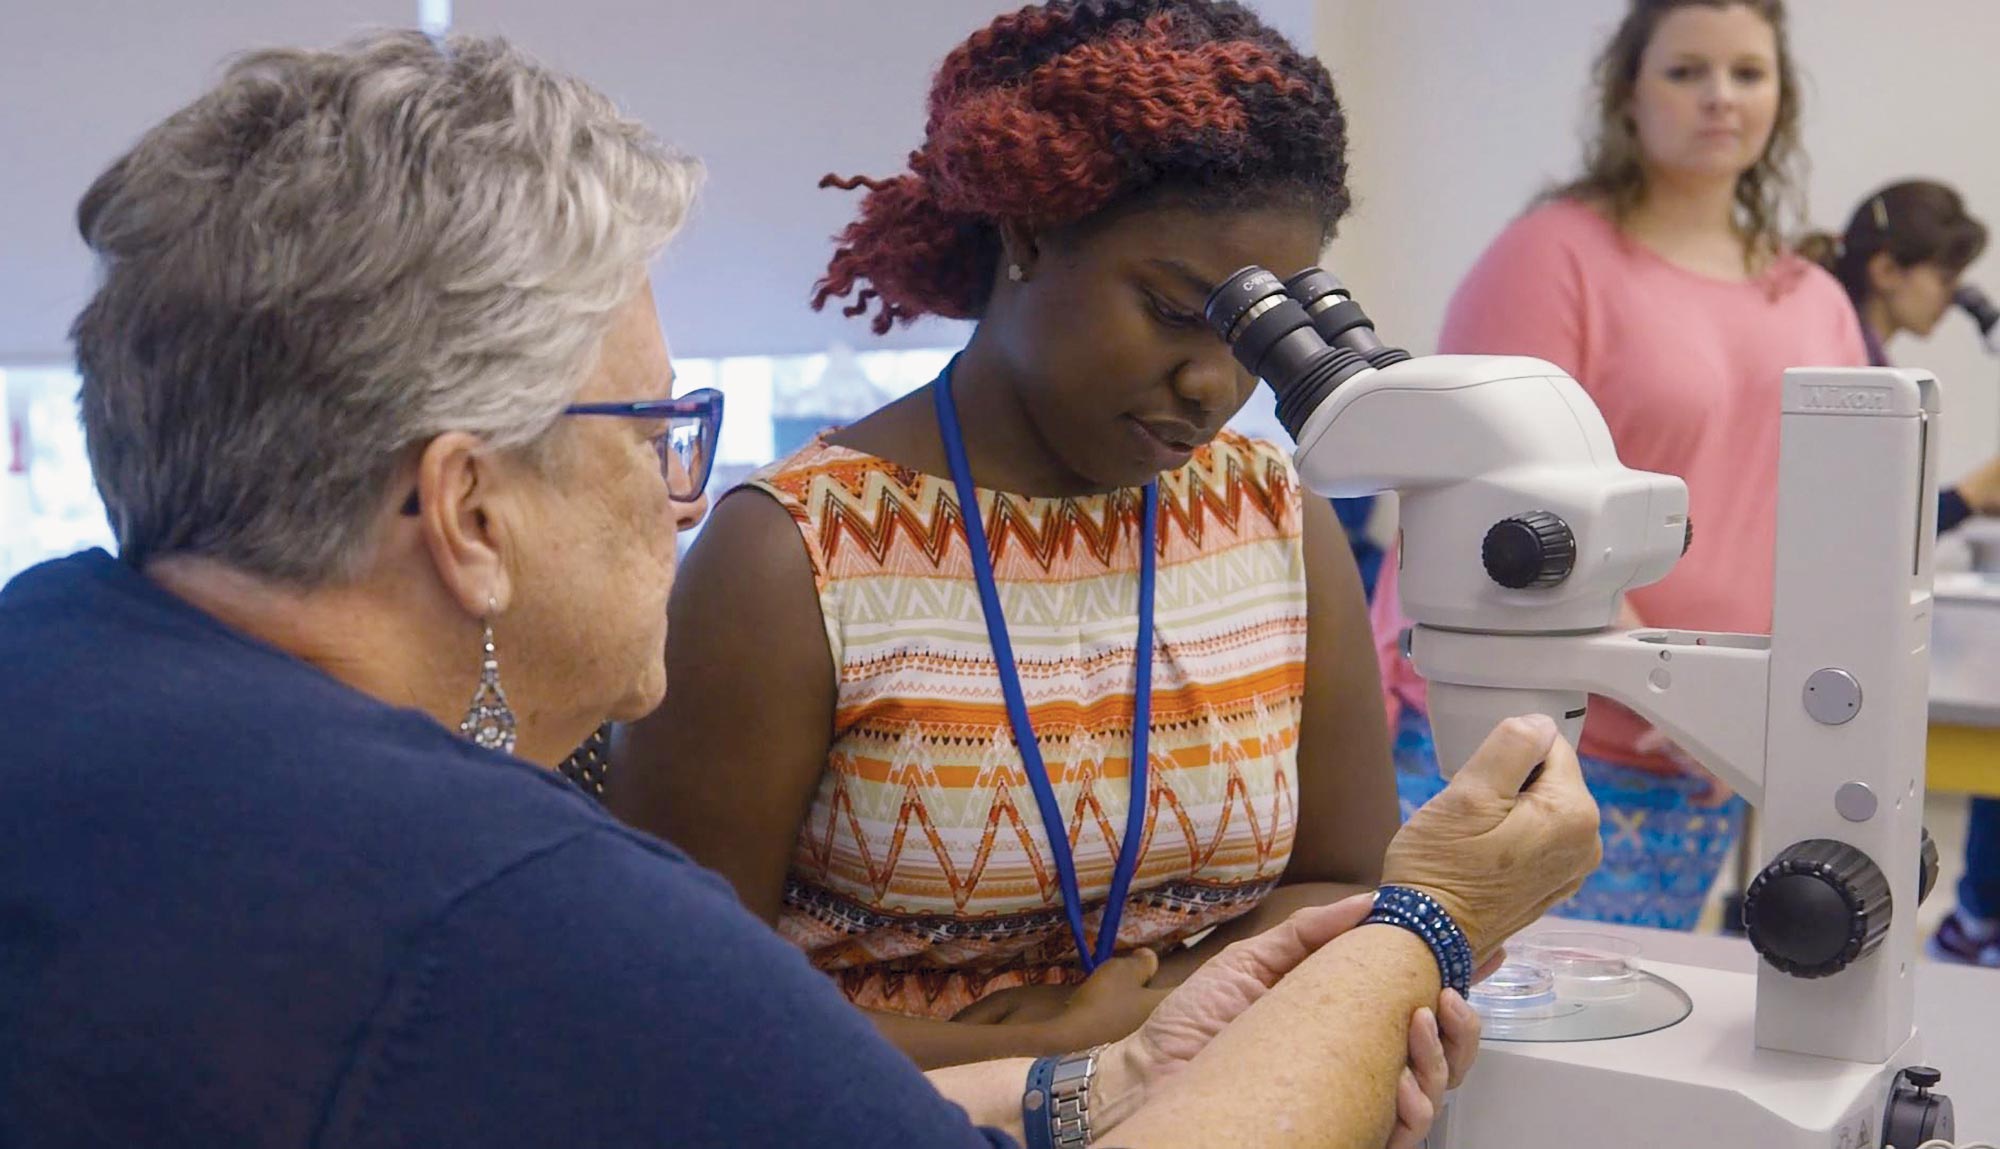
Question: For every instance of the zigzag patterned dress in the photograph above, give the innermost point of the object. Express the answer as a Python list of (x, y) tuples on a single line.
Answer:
[(921, 879)]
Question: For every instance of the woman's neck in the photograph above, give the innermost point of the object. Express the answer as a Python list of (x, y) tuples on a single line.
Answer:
[(1691, 222), (380, 641), (1688, 205), (1004, 448), (1875, 316)]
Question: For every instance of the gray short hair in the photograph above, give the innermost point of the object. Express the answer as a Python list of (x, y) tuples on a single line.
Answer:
[(335, 256)]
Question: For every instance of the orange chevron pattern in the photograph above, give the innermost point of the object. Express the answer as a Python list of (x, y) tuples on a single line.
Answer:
[(921, 879)]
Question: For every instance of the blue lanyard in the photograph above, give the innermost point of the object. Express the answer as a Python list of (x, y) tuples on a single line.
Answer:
[(1017, 706)]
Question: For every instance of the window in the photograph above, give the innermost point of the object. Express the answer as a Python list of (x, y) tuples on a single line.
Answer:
[(48, 506), (773, 405)]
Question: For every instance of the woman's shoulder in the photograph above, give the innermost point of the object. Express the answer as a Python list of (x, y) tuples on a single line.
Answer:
[(1557, 238), (1234, 468), (817, 463), (1562, 222), (1812, 283), (884, 442), (1249, 453), (1816, 305)]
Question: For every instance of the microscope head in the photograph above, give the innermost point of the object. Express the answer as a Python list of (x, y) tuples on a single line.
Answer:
[(1516, 515)]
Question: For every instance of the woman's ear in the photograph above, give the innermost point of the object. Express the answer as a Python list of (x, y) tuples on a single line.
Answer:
[(1020, 250), (1884, 273), (466, 522)]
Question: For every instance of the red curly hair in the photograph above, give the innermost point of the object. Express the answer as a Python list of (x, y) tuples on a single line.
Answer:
[(1056, 113)]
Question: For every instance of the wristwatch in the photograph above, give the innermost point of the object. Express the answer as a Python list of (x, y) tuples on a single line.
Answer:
[(1055, 1110)]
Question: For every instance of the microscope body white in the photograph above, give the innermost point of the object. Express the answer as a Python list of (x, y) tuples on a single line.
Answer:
[(1468, 441), (1857, 507), (1770, 715), (1703, 1083)]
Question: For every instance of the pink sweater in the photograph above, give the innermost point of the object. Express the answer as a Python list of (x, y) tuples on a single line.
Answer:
[(1687, 370)]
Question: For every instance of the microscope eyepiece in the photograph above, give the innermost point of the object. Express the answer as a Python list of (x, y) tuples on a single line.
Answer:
[(1338, 318), (1977, 305), (1271, 333), (1316, 289), (1241, 300)]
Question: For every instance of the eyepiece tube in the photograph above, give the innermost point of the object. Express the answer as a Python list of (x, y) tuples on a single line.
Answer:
[(1272, 335), (1338, 318), (1976, 304)]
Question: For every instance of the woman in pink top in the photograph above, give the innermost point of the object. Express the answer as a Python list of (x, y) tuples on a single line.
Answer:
[(1659, 281)]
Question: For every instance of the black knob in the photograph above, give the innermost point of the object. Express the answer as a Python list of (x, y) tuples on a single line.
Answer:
[(1915, 1115), (1818, 908), (1533, 550), (1927, 867), (1687, 536)]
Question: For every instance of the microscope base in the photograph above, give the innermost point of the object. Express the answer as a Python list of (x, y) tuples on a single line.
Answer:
[(1702, 1082)]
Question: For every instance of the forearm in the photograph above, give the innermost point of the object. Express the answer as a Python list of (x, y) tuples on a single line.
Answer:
[(991, 1091), (934, 1044), (988, 1091), (1281, 903), (1314, 1063)]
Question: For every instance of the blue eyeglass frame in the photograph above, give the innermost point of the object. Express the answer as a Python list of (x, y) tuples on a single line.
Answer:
[(704, 405)]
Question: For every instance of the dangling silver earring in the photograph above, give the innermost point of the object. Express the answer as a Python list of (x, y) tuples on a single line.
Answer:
[(489, 721), (1015, 273)]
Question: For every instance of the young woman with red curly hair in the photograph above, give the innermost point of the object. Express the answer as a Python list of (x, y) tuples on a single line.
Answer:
[(848, 748)]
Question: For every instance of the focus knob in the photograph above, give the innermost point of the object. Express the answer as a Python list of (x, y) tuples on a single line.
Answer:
[(1819, 907), (1533, 550), (1916, 1116)]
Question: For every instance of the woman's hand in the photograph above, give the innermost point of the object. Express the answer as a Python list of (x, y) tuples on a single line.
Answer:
[(1111, 1003), (1495, 851), (1443, 1045)]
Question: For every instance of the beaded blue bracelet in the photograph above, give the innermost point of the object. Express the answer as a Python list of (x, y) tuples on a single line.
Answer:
[(1421, 914)]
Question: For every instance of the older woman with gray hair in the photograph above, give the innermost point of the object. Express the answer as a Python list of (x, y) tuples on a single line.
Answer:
[(379, 405)]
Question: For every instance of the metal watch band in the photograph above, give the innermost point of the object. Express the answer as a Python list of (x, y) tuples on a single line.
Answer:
[(1069, 1099), (1055, 1111)]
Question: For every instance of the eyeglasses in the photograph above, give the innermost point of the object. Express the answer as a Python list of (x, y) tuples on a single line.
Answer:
[(694, 424)]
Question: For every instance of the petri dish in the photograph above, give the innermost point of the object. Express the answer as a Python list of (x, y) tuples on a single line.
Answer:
[(1586, 967), (1517, 997)]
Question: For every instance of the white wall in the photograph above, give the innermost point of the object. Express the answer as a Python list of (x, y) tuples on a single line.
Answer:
[(1460, 109), (772, 94), (1463, 109), (79, 81)]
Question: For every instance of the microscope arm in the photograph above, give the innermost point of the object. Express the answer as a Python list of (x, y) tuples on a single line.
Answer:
[(1704, 691)]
